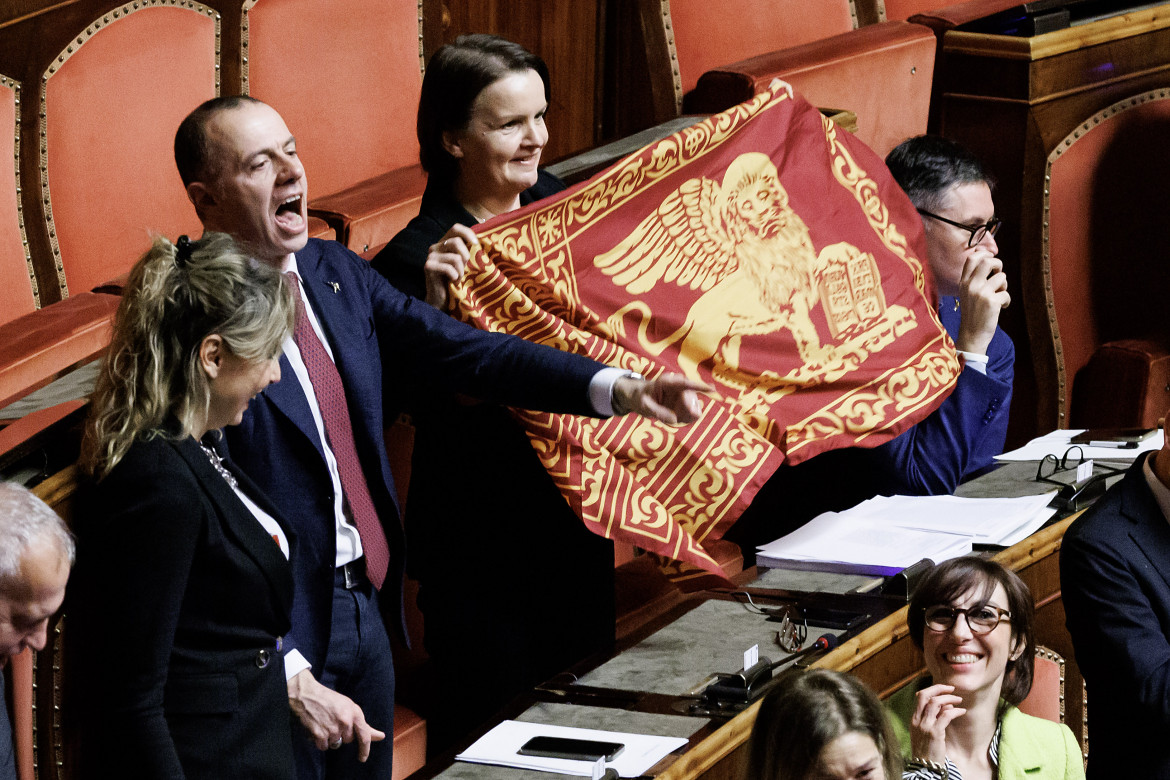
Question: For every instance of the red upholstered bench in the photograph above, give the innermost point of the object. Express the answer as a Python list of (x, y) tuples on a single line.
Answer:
[(945, 16), (859, 71), (369, 213), (39, 346), (319, 228)]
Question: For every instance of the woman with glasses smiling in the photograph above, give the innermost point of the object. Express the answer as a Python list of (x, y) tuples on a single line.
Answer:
[(972, 619)]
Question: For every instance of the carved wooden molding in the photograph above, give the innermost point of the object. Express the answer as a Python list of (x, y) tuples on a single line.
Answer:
[(42, 118), (1082, 130), (14, 85)]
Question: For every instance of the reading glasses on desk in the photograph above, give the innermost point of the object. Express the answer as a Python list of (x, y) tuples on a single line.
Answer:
[(1079, 493)]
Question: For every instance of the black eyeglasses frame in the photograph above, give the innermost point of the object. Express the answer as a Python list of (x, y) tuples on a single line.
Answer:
[(977, 232), (1000, 612)]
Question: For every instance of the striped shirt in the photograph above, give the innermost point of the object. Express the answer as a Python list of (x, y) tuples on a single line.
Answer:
[(916, 771)]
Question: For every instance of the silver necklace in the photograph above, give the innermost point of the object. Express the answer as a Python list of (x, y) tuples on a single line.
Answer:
[(217, 464)]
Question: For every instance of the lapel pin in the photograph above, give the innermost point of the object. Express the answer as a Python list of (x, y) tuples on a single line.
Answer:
[(336, 287)]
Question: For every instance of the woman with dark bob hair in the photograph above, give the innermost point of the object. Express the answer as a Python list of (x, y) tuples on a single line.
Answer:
[(973, 620), (476, 550), (182, 589), (481, 131), (822, 725)]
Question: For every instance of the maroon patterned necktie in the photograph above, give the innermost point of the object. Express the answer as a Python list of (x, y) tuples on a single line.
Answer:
[(339, 430)]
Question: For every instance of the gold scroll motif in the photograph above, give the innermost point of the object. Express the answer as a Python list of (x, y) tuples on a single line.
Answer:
[(890, 398), (670, 489), (746, 249)]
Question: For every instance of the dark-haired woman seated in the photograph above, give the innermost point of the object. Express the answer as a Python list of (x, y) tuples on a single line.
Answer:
[(972, 619), (822, 725), (510, 579), (183, 589)]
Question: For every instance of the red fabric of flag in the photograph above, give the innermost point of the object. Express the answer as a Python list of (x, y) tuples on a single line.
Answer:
[(764, 251)]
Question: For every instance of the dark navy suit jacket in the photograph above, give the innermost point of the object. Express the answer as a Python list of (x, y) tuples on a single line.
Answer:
[(1115, 582), (966, 432), (386, 345)]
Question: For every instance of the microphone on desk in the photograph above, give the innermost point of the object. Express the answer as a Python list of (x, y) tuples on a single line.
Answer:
[(824, 642), (747, 685)]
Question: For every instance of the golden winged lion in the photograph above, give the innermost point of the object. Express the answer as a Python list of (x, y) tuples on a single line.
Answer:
[(741, 244)]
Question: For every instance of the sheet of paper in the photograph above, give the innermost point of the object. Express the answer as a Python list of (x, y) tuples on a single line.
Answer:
[(834, 542), (1028, 527), (500, 745), (1057, 443), (886, 534), (985, 520)]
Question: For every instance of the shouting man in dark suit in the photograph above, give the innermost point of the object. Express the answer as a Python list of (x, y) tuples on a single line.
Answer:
[(314, 441), (1115, 581)]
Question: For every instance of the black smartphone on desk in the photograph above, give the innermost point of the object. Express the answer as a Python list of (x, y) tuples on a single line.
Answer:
[(1120, 438), (574, 749)]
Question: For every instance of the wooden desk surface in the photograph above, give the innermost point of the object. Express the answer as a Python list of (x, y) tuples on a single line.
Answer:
[(882, 655), (885, 658)]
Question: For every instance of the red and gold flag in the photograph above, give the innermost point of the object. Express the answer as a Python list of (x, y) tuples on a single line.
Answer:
[(763, 251)]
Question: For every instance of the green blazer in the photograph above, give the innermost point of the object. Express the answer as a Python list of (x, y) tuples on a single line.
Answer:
[(1029, 748)]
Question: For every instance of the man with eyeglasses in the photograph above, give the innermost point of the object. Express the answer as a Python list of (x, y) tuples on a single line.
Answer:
[(1115, 582), (952, 192)]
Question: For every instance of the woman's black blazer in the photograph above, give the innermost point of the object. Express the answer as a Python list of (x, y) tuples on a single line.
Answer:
[(178, 601)]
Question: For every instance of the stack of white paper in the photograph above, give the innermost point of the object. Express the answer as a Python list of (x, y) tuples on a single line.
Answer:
[(884, 535), (500, 745)]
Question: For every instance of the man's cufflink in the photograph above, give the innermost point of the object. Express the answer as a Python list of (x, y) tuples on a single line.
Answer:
[(973, 357)]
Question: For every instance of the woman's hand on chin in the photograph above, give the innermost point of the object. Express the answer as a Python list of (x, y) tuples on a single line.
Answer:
[(937, 707), (446, 262)]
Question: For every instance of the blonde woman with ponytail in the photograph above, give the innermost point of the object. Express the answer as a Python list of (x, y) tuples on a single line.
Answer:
[(183, 589)]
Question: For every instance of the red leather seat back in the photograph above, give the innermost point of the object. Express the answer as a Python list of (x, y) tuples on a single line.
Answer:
[(410, 743), (111, 108), (1104, 259), (21, 690), (1046, 699), (1125, 384), (857, 71), (16, 284), (710, 33), (39, 346), (346, 78), (904, 9)]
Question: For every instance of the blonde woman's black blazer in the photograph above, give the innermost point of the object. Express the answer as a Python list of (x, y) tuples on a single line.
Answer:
[(178, 600)]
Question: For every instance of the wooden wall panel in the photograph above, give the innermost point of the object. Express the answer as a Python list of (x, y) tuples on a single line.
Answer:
[(565, 33)]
